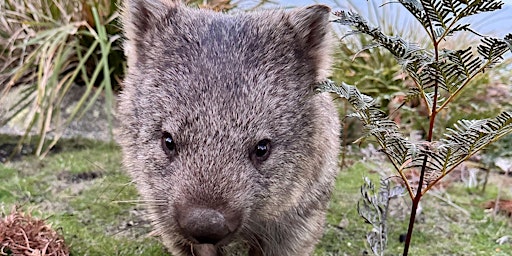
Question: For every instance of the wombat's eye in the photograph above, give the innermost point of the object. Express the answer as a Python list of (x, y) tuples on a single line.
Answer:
[(168, 144), (262, 150)]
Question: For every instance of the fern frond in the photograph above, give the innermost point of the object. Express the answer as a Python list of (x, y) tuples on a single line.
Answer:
[(459, 9), (440, 16), (457, 67), (463, 61), (405, 52), (492, 50), (396, 147), (466, 66), (459, 143), (462, 27), (479, 6), (358, 100), (413, 93), (410, 56), (508, 41), (468, 137), (415, 7), (439, 157)]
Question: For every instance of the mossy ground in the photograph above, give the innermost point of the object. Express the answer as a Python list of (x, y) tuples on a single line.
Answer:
[(82, 191)]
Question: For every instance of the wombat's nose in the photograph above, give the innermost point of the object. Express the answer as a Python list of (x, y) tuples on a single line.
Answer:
[(205, 225)]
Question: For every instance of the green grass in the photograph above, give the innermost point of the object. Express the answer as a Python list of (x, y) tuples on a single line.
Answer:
[(442, 229), (80, 190)]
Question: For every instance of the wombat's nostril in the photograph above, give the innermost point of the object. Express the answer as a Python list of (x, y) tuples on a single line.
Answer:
[(206, 226)]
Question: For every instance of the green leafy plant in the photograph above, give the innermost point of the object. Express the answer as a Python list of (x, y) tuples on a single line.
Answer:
[(439, 76), (374, 209), (372, 69)]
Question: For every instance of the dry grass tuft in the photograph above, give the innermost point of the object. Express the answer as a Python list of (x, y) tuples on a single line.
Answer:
[(21, 234), (502, 206)]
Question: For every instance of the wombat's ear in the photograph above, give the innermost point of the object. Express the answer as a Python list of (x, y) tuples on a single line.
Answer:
[(313, 32), (139, 17)]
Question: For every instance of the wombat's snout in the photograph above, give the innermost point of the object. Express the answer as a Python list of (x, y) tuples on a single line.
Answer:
[(205, 225)]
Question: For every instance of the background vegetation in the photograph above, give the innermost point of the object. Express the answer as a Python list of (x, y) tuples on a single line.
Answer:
[(436, 76), (48, 47)]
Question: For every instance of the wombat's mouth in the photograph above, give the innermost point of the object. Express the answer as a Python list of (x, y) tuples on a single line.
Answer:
[(228, 244), (209, 240), (205, 249)]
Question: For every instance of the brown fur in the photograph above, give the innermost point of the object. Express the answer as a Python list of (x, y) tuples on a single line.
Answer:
[(219, 84)]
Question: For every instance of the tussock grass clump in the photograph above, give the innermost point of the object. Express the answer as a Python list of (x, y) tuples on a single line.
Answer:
[(22, 234), (46, 48)]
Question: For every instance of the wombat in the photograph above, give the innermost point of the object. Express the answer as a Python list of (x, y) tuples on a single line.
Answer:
[(223, 132)]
